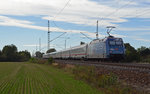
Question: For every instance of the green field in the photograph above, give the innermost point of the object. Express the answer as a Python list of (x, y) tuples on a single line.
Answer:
[(28, 78)]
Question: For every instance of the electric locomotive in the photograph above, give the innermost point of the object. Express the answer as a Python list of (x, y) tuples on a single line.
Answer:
[(109, 48)]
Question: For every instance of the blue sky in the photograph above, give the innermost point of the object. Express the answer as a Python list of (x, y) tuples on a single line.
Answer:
[(23, 22)]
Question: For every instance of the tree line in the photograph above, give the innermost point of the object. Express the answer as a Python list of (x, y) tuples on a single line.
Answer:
[(10, 53), (141, 54)]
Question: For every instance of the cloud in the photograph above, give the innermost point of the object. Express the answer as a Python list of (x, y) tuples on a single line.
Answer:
[(84, 12), (35, 45), (133, 29), (30, 45), (117, 35), (141, 39), (7, 21), (43, 46)]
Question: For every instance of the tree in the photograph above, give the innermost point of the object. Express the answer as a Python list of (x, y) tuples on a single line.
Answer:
[(39, 54), (51, 50), (143, 51), (1, 56), (131, 53), (10, 53), (24, 55)]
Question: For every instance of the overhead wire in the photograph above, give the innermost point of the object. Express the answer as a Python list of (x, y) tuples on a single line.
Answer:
[(57, 15), (101, 19), (112, 13), (58, 37), (60, 13), (55, 18), (62, 9), (139, 13), (120, 8), (143, 13), (117, 10)]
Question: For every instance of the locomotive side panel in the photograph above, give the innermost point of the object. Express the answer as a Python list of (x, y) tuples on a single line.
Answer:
[(97, 50)]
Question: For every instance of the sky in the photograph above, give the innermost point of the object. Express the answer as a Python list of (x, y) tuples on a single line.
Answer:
[(24, 22)]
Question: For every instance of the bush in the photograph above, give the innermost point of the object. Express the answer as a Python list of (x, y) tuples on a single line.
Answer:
[(33, 60), (146, 59), (50, 60), (131, 53), (38, 61), (107, 80), (42, 61), (89, 74), (61, 66), (86, 73)]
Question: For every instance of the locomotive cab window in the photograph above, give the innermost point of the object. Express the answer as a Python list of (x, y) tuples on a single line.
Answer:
[(118, 43), (112, 42)]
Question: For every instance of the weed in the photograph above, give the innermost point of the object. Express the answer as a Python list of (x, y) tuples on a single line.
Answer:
[(107, 80), (38, 61), (33, 60), (50, 60)]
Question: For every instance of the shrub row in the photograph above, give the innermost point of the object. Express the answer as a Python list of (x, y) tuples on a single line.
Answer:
[(90, 75), (109, 83), (42, 61)]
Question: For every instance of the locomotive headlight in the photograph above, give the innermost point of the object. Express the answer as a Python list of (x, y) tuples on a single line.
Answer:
[(116, 48)]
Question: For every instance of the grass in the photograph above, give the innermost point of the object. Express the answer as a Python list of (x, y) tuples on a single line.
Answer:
[(30, 78), (109, 83)]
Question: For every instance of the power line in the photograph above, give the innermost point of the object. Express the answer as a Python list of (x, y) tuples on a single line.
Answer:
[(62, 9), (101, 19), (86, 36), (143, 13), (119, 8), (116, 10), (60, 13), (55, 24), (58, 36), (58, 46)]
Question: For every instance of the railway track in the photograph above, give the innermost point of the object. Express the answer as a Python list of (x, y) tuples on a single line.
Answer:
[(123, 66)]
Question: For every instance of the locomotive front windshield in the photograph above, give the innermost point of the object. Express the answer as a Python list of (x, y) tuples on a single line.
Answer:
[(116, 42)]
